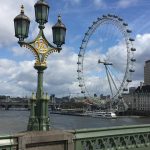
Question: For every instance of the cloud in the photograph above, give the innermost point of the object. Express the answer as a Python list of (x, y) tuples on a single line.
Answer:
[(76, 1), (18, 51), (7, 25), (142, 54), (127, 3), (68, 3), (99, 3), (60, 75), (20, 78), (13, 78), (62, 72)]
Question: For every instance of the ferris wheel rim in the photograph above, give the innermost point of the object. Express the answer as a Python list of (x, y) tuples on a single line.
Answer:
[(118, 22)]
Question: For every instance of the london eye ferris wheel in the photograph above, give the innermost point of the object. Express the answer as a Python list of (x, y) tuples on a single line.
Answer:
[(106, 58)]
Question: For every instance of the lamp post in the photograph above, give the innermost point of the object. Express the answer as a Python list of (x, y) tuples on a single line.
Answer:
[(41, 48)]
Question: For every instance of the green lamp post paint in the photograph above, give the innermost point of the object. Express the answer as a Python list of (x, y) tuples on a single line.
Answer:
[(41, 48)]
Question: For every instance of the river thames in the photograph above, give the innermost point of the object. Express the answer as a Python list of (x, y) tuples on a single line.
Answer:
[(16, 121)]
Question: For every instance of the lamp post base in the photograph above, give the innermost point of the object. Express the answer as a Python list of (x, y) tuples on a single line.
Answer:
[(41, 124), (44, 124), (39, 116), (43, 114), (33, 124)]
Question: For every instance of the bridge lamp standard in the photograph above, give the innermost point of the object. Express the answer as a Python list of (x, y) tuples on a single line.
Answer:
[(41, 48)]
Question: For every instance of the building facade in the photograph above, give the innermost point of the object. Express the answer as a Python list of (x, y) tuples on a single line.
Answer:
[(139, 100), (147, 73)]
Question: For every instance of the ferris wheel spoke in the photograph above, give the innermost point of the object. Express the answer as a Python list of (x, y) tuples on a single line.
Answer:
[(117, 78), (117, 71)]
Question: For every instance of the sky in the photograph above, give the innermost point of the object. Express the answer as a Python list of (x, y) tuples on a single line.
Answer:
[(17, 75)]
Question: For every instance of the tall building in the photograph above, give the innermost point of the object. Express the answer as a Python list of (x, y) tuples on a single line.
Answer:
[(147, 73), (139, 100)]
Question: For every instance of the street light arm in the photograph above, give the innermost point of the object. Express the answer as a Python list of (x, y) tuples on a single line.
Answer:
[(52, 47), (30, 47), (40, 48)]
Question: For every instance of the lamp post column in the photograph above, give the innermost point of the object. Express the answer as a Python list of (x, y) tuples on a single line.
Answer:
[(40, 71), (41, 112)]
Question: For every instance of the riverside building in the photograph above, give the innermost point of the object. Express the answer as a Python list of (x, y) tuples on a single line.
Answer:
[(138, 99), (147, 73)]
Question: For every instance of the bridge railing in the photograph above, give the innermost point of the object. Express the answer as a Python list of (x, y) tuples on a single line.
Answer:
[(114, 138), (8, 142)]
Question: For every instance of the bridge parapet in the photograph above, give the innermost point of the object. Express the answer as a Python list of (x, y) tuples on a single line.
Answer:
[(8, 142), (114, 138)]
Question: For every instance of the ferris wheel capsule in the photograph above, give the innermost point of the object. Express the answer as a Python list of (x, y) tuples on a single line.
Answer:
[(132, 70), (129, 80), (133, 49), (120, 97), (86, 33), (125, 24), (110, 15), (98, 19), (94, 22), (78, 63), (79, 78), (129, 31), (131, 39), (104, 16), (120, 19), (125, 89), (115, 16), (78, 70), (80, 85), (133, 59)]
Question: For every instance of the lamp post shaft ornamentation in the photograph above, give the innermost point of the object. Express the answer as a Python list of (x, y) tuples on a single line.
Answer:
[(41, 48)]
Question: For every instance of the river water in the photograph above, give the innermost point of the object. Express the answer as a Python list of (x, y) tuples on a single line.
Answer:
[(16, 121)]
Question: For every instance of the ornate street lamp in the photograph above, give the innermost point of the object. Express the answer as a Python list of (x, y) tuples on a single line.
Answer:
[(22, 23), (41, 48), (41, 13), (59, 33)]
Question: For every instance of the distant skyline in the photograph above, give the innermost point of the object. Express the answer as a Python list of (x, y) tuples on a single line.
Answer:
[(17, 75)]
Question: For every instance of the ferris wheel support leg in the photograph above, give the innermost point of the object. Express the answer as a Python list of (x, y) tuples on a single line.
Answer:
[(112, 79), (109, 80)]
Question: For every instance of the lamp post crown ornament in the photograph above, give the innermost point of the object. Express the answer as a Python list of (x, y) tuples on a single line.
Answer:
[(22, 9), (59, 18), (41, 48)]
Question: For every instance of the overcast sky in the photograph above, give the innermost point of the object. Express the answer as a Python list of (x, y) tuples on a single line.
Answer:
[(17, 75)]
